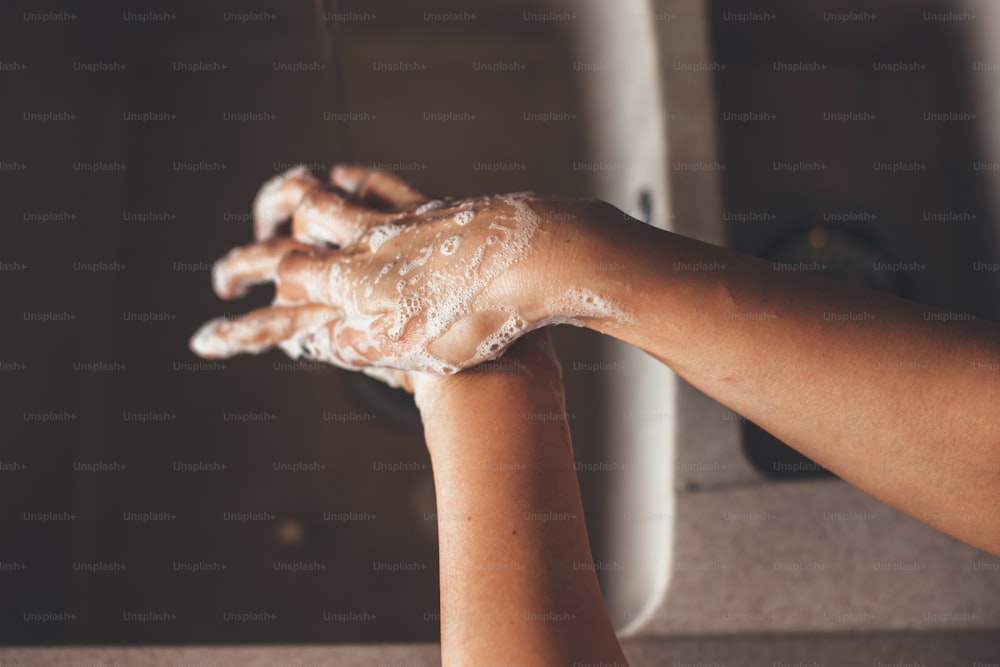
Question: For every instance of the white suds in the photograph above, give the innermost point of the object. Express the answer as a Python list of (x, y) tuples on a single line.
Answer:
[(429, 206), (317, 232), (497, 341), (379, 235), (450, 245), (473, 264), (419, 260), (208, 344), (578, 302), (386, 268), (293, 347), (433, 290), (270, 206)]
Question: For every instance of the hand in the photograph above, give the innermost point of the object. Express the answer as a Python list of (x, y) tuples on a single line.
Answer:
[(413, 284), (529, 369)]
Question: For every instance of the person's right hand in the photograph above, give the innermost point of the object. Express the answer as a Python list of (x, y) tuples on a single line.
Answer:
[(379, 275)]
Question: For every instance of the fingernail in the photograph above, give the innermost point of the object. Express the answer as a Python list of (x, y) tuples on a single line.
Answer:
[(221, 282), (346, 177), (270, 206), (207, 343)]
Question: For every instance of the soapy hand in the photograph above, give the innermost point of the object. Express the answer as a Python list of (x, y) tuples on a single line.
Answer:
[(379, 276)]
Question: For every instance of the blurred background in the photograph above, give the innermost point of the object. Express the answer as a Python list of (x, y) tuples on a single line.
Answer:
[(149, 497)]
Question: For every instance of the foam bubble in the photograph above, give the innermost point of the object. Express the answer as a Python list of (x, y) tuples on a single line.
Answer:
[(423, 255), (293, 347), (270, 206), (427, 207), (476, 260), (429, 296), (386, 268), (578, 302), (450, 245), (317, 231), (497, 341), (379, 235)]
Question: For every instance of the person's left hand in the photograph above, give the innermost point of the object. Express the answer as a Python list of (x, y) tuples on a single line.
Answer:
[(412, 284)]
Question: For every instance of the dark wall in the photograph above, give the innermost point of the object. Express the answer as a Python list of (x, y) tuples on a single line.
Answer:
[(112, 223), (850, 139)]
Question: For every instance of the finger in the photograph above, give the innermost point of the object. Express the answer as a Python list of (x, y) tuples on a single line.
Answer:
[(277, 199), (251, 265), (312, 275), (328, 343), (259, 330), (325, 216), (381, 188)]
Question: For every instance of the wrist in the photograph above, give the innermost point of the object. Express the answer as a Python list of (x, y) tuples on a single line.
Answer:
[(586, 280), (527, 378), (529, 366)]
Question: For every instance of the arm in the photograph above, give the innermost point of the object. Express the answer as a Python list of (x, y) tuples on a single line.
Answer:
[(904, 404), (517, 581), (518, 584)]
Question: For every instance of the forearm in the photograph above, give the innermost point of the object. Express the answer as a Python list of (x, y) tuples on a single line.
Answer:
[(900, 403), (517, 581)]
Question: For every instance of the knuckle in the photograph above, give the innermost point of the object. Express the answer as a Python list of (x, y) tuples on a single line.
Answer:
[(292, 263), (299, 225)]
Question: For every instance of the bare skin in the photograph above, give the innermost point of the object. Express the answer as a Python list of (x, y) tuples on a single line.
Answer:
[(415, 284), (898, 405), (926, 441), (518, 585)]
